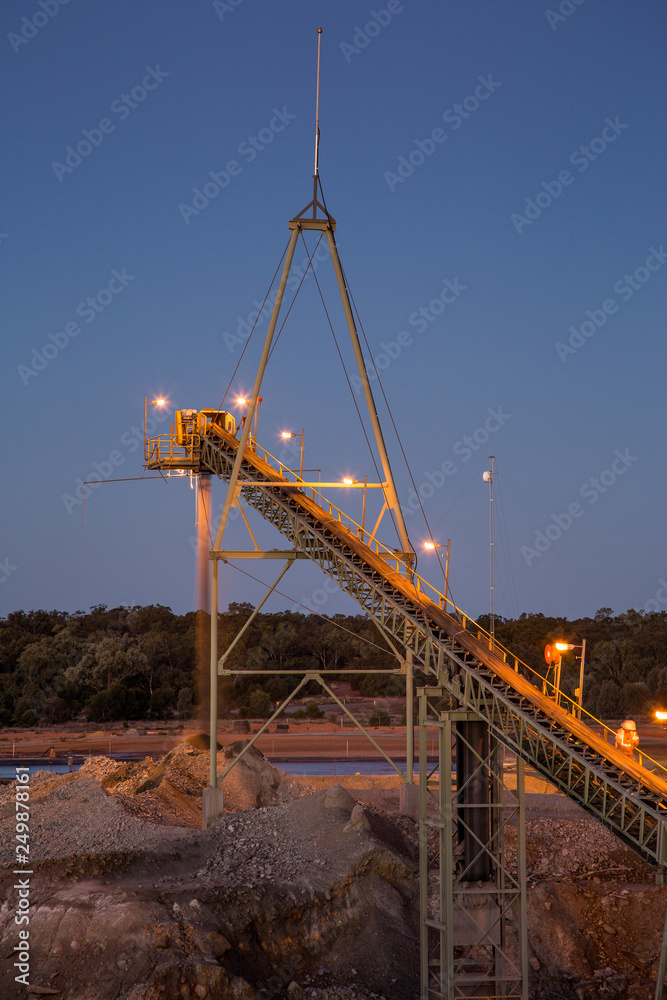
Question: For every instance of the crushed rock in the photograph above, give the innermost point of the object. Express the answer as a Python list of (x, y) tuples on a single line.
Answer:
[(78, 817), (274, 833)]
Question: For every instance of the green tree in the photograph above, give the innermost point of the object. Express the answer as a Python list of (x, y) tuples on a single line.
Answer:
[(379, 717), (258, 705), (185, 702)]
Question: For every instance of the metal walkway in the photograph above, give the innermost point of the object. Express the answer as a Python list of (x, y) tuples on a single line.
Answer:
[(627, 798)]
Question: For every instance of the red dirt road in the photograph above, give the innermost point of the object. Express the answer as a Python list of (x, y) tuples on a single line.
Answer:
[(304, 740)]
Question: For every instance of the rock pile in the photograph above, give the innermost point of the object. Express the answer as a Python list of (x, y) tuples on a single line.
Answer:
[(292, 896), (288, 898)]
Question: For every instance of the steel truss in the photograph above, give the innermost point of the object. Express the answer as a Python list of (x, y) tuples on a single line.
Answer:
[(627, 800), (473, 924), (307, 675), (310, 675)]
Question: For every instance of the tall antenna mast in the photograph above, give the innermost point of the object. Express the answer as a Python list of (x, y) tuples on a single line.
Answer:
[(317, 124), (488, 478), (492, 623)]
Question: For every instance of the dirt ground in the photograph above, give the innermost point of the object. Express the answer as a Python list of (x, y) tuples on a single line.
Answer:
[(304, 739), (289, 879), (595, 914)]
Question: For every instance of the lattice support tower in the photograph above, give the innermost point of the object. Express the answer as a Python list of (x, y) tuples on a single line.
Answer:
[(473, 927)]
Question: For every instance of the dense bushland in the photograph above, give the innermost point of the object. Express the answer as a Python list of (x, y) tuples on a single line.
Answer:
[(139, 663)]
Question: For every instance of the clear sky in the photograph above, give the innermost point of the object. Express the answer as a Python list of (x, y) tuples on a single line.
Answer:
[(497, 174)]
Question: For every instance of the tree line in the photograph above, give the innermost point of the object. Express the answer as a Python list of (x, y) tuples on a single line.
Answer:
[(139, 663)]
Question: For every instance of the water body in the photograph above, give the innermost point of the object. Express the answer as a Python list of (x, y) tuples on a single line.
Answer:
[(344, 766)]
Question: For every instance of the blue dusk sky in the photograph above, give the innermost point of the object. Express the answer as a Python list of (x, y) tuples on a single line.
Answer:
[(496, 171)]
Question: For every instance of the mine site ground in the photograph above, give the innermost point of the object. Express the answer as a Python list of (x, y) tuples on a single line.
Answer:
[(306, 888), (306, 740)]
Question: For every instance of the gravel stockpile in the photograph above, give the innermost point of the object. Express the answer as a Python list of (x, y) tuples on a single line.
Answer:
[(252, 848), (108, 806), (281, 844), (77, 817)]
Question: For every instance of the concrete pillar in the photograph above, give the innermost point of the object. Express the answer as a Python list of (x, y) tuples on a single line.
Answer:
[(212, 806), (408, 801)]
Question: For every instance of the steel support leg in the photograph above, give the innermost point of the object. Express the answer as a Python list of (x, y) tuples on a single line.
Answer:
[(213, 717), (446, 915), (391, 495), (473, 934), (252, 405), (521, 865), (423, 848), (409, 795), (212, 801)]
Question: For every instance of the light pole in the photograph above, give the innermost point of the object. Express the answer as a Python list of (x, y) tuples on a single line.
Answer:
[(149, 402), (566, 647), (286, 435), (434, 546), (242, 401), (363, 509)]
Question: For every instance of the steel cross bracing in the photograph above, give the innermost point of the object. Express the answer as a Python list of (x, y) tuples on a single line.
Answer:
[(625, 798), (473, 933)]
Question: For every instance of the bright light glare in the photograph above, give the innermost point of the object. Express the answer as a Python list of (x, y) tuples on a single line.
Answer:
[(562, 646), (241, 401), (160, 402), (348, 482), (661, 715), (287, 434), (429, 545)]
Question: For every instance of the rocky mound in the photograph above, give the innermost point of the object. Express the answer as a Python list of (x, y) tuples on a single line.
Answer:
[(314, 891), (290, 895)]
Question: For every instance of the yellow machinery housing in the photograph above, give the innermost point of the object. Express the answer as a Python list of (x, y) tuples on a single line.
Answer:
[(180, 449)]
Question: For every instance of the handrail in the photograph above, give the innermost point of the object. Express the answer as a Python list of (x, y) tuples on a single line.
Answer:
[(163, 448)]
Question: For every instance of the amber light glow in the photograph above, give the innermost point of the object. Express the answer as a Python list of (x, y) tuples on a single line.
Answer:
[(661, 715)]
